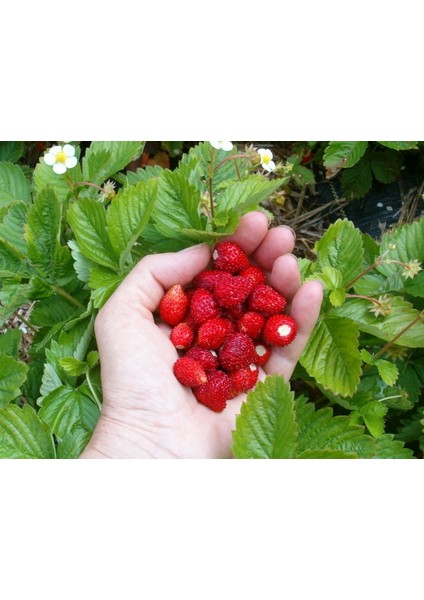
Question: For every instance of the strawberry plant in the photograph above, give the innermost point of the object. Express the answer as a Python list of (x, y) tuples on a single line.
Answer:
[(72, 228)]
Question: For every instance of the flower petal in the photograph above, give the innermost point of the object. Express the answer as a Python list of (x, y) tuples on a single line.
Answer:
[(70, 162), (59, 168), (69, 150), (49, 159), (227, 146), (216, 145), (269, 166), (55, 149)]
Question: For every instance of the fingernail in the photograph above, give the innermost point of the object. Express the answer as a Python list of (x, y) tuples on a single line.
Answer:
[(292, 230)]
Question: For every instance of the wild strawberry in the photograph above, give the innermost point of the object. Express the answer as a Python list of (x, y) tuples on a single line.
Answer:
[(212, 333), (189, 372), (236, 352), (280, 330), (255, 274), (266, 300), (228, 256), (182, 336), (232, 290), (262, 354), (244, 379), (173, 305), (252, 324), (207, 279), (215, 392), (207, 358), (203, 306), (235, 312)]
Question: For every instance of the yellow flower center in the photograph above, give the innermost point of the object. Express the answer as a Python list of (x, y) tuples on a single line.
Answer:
[(61, 157), (266, 158)]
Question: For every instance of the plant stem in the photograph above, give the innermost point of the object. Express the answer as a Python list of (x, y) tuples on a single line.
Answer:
[(25, 322), (65, 294), (98, 187), (90, 385), (227, 158), (355, 279), (363, 298), (419, 317)]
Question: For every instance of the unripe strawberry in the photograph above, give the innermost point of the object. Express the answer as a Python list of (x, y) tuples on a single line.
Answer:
[(232, 290), (215, 392), (182, 336), (207, 358), (212, 333), (189, 372), (244, 379), (266, 300), (237, 352), (203, 306), (262, 354), (173, 305), (228, 256), (255, 274), (280, 330), (252, 324)]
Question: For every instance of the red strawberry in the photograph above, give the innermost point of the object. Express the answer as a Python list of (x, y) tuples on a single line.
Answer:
[(232, 290), (203, 306), (280, 330), (252, 324), (244, 379), (235, 312), (228, 256), (266, 300), (189, 372), (173, 305), (182, 336), (207, 279), (255, 274), (207, 358), (262, 354), (215, 392), (237, 352), (212, 333)]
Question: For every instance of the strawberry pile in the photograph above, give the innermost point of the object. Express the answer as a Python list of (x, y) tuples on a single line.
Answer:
[(224, 325)]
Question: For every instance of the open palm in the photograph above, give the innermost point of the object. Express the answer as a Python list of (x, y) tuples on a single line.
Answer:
[(146, 411)]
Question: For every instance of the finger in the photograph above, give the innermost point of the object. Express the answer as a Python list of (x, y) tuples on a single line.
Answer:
[(285, 276), (279, 240), (252, 229), (305, 310)]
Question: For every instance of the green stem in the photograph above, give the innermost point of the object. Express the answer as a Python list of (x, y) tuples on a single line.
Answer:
[(419, 317), (355, 279), (211, 172), (90, 385), (27, 323), (65, 294)]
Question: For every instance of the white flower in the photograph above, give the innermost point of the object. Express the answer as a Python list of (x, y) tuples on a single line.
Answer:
[(266, 159), (61, 158), (227, 146)]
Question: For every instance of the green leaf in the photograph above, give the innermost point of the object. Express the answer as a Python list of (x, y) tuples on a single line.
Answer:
[(127, 216), (82, 264), (51, 260), (373, 414), (400, 145), (73, 443), (357, 181), (266, 426), (23, 434), (177, 207), (388, 447), (337, 297), (386, 328), (104, 282), (73, 366), (13, 184), (404, 243), (141, 174), (338, 155), (11, 262), (415, 287), (88, 221), (331, 355), (52, 310), (386, 165), (10, 342), (326, 453), (319, 430), (388, 371), (12, 226), (44, 176), (104, 159), (302, 175), (12, 296), (11, 151), (65, 408), (341, 248), (12, 375), (246, 195)]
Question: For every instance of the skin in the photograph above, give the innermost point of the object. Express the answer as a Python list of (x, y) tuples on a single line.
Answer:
[(146, 412)]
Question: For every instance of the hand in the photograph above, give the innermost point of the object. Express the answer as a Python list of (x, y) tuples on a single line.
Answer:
[(146, 412)]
